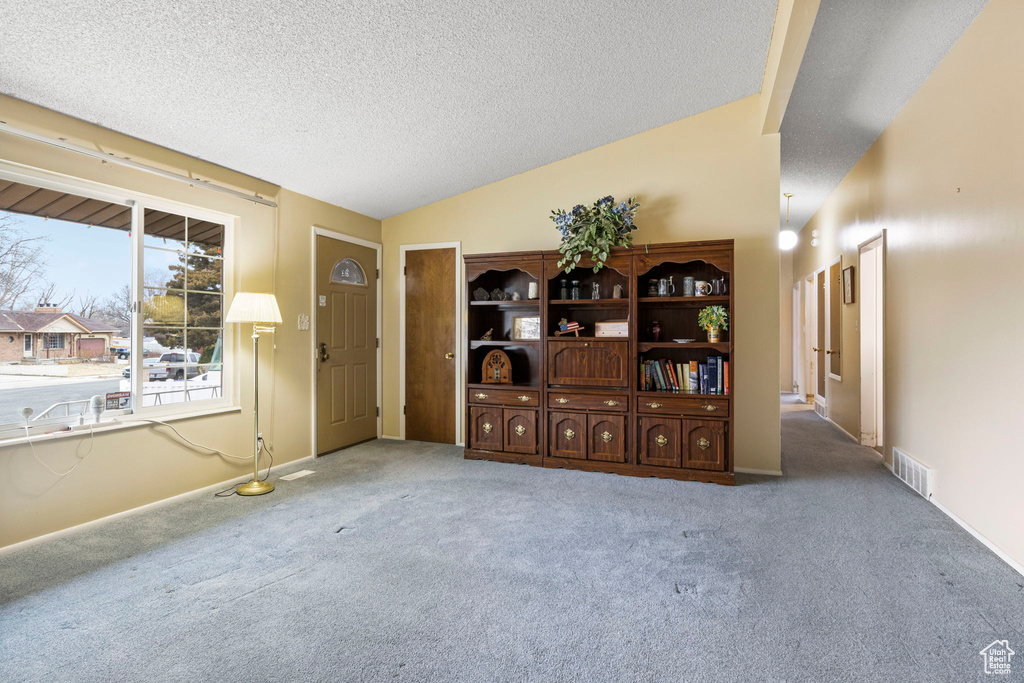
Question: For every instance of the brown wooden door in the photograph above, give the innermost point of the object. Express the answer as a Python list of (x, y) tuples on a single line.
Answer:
[(607, 437), (588, 363), (704, 444), (430, 345), (485, 430), (346, 344), (568, 435), (520, 431), (659, 442)]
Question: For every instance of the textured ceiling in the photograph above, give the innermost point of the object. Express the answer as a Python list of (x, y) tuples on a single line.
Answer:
[(864, 60), (383, 106)]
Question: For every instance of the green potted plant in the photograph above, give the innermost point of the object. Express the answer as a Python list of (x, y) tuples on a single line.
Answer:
[(594, 230), (713, 319)]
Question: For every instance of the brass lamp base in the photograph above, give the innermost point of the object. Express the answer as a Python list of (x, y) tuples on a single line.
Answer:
[(254, 488)]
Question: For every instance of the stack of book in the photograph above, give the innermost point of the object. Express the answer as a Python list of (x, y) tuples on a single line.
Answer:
[(693, 377)]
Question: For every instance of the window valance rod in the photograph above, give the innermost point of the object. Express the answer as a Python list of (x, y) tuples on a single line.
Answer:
[(112, 159)]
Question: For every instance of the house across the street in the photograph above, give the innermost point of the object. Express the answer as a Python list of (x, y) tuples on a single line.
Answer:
[(50, 333)]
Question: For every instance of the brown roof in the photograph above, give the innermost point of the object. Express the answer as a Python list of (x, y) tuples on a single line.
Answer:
[(29, 321)]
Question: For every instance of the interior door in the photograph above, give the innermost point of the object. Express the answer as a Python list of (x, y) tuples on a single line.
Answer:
[(819, 346), (430, 346), (346, 344)]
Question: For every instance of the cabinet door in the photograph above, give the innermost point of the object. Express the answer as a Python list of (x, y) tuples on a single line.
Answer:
[(588, 363), (704, 444), (568, 435), (486, 428), (520, 430), (659, 442), (607, 438)]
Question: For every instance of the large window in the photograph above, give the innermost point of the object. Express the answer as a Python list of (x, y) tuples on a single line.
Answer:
[(119, 299)]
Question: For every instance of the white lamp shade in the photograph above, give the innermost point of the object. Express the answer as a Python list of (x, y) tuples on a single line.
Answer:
[(787, 240), (254, 307)]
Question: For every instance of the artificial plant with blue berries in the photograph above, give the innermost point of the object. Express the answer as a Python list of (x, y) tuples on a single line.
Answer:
[(594, 230)]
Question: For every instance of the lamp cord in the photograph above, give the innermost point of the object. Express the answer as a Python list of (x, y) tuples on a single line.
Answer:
[(92, 443)]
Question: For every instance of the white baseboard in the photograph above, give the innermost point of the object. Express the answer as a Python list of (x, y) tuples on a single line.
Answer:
[(747, 470), (124, 513), (848, 434), (393, 438), (1017, 566), (1014, 564)]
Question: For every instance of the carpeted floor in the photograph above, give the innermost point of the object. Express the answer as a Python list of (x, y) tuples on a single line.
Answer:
[(404, 562)]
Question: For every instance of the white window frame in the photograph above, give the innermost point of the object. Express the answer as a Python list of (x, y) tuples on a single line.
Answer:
[(138, 202)]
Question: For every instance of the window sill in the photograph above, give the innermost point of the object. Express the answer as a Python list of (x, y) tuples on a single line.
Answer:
[(117, 424)]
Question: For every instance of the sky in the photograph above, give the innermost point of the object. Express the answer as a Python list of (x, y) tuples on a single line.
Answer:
[(84, 259)]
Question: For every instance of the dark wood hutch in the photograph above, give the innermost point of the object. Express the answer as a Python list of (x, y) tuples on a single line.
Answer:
[(579, 402)]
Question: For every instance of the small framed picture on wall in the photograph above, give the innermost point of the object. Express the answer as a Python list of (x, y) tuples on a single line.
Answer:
[(848, 285)]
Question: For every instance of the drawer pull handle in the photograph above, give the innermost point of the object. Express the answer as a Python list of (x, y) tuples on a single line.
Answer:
[(520, 430), (661, 441), (710, 408), (606, 437), (561, 400), (524, 399), (481, 396), (611, 402), (488, 427), (653, 405), (703, 443), (569, 434)]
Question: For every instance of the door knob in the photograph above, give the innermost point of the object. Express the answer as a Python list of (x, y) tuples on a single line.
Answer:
[(324, 356), (815, 348), (449, 355)]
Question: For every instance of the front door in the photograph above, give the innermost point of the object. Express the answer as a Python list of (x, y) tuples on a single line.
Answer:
[(346, 344), (430, 345), (28, 345)]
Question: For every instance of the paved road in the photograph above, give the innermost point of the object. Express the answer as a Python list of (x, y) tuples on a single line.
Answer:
[(41, 398)]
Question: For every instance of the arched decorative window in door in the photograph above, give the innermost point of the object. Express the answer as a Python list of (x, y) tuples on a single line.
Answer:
[(348, 272)]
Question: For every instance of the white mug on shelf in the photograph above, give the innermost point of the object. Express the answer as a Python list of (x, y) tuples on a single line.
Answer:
[(532, 291), (702, 288)]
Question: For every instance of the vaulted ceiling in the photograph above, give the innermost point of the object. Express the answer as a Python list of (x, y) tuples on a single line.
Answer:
[(863, 61), (383, 106)]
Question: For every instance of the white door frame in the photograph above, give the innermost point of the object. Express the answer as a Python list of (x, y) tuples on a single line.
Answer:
[(28, 345), (798, 378), (460, 387), (829, 375), (820, 398), (872, 337), (377, 247)]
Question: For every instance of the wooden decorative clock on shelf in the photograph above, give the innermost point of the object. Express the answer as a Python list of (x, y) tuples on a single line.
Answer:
[(497, 368)]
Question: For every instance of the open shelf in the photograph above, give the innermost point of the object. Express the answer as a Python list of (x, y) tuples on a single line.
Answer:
[(721, 347), (477, 344), (591, 303), (514, 385), (689, 394), (685, 300), (522, 303)]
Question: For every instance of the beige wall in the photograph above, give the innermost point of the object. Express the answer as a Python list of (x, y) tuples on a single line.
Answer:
[(713, 175), (132, 467), (945, 181), (786, 321)]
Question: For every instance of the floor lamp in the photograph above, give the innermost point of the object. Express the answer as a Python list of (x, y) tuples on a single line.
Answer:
[(261, 310)]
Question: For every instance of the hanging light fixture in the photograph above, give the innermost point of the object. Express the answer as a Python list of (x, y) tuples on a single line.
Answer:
[(787, 238)]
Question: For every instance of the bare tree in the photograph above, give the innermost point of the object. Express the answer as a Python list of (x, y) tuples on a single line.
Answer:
[(88, 305), (117, 309), (22, 264), (49, 295)]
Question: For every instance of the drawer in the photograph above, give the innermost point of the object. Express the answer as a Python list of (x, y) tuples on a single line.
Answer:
[(505, 397), (660, 404), (588, 363), (577, 401)]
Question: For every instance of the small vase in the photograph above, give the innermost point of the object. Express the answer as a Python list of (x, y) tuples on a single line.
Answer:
[(656, 331), (713, 335)]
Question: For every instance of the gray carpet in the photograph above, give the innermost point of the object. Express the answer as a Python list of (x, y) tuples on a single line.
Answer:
[(403, 562)]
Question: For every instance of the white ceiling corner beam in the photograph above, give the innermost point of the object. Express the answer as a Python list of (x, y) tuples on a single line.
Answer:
[(794, 20)]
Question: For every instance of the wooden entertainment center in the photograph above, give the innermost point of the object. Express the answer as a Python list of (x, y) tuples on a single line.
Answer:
[(579, 402)]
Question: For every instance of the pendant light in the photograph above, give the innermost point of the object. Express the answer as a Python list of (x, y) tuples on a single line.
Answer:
[(787, 238)]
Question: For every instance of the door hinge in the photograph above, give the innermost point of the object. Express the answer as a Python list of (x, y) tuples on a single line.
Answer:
[(378, 273), (378, 342), (403, 410), (378, 411)]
